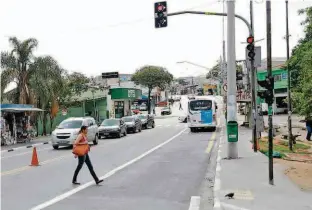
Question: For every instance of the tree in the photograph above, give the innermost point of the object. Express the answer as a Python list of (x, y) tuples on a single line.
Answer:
[(47, 83), (151, 77), (300, 65), (215, 71), (16, 67)]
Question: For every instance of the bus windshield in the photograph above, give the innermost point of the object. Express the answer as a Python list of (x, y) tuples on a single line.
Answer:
[(199, 105)]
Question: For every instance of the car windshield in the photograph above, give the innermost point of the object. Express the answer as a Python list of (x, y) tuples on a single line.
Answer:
[(70, 124), (200, 105), (142, 117), (110, 122), (129, 119)]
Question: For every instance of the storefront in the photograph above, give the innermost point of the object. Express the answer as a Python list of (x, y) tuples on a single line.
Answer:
[(120, 100)]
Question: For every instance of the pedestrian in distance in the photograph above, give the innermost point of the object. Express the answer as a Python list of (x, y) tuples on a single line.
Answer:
[(308, 122), (82, 142), (180, 108)]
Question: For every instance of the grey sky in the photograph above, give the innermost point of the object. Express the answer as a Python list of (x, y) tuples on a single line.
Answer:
[(95, 36)]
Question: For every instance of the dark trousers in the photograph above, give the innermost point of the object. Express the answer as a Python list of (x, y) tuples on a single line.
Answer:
[(81, 161), (309, 130)]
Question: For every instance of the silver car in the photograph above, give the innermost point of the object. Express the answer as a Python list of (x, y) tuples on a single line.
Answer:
[(67, 131)]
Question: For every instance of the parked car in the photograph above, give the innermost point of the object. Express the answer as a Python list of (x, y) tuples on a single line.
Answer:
[(67, 131), (162, 103), (133, 123), (112, 127), (147, 120), (166, 111), (143, 107)]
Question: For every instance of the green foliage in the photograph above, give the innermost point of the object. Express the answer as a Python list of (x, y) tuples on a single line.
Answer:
[(300, 65), (215, 71), (152, 76)]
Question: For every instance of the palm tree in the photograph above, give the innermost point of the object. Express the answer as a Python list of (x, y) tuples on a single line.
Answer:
[(46, 82), (16, 67)]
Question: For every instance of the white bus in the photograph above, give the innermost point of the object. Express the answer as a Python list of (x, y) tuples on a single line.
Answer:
[(202, 113)]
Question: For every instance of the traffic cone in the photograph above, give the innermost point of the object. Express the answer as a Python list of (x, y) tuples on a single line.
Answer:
[(34, 159)]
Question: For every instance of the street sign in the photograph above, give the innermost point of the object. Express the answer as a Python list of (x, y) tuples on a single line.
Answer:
[(109, 75)]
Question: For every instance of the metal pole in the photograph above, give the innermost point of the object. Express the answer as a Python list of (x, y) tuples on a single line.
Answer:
[(231, 75), (223, 50), (253, 89), (269, 69), (290, 141)]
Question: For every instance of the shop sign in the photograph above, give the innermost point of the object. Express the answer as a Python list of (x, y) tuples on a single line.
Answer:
[(131, 93)]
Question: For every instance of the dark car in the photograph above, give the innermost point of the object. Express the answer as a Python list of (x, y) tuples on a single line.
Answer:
[(165, 111), (133, 123), (112, 127), (147, 121)]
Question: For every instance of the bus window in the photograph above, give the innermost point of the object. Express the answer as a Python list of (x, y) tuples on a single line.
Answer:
[(198, 105)]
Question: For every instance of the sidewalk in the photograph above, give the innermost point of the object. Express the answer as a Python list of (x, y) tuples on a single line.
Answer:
[(247, 177), (38, 140)]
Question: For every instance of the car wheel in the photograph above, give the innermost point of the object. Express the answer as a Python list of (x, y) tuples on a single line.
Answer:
[(119, 135), (55, 146), (192, 130), (95, 141)]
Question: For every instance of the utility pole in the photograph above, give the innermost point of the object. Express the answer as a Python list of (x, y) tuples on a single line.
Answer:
[(290, 139), (232, 126), (253, 88), (223, 50), (269, 69)]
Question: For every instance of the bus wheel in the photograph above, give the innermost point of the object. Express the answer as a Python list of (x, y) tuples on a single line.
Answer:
[(192, 130)]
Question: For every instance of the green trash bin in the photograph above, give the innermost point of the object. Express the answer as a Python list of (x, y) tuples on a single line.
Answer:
[(232, 131)]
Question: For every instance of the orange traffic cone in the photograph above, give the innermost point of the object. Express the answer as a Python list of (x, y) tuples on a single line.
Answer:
[(34, 159)]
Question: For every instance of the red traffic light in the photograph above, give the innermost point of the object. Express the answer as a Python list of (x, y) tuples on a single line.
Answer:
[(250, 40), (160, 8)]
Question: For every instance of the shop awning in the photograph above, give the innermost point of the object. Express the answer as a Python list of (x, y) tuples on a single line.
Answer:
[(26, 109)]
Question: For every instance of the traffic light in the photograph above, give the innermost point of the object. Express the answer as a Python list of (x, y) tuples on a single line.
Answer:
[(251, 48), (160, 9), (267, 94)]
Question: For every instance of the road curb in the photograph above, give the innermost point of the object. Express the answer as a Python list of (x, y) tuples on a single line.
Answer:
[(24, 147)]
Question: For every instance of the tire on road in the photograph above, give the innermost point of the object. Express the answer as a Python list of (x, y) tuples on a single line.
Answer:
[(55, 146), (95, 141)]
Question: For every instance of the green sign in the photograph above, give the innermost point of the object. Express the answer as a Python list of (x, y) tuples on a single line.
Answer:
[(280, 78), (125, 93)]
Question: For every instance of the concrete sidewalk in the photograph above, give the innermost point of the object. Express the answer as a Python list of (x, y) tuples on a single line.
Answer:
[(37, 141), (247, 177)]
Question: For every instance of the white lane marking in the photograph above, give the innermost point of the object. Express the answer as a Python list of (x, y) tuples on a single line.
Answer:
[(24, 153), (195, 203), (110, 173)]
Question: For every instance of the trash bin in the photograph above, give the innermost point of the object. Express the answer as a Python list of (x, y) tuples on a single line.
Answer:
[(232, 131)]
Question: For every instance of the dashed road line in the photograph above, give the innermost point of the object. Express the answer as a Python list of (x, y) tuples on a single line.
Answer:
[(211, 142), (195, 203)]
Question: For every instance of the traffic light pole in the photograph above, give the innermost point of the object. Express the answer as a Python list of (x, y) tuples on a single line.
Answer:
[(269, 69), (290, 139), (253, 90)]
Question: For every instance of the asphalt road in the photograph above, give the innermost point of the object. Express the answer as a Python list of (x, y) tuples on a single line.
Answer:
[(160, 168)]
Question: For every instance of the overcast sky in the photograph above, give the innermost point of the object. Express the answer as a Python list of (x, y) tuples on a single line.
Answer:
[(98, 36)]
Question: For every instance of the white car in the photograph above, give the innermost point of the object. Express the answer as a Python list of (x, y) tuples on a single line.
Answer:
[(143, 107), (67, 131)]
